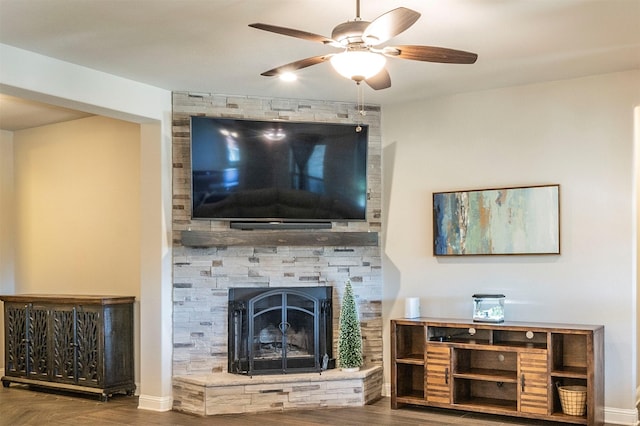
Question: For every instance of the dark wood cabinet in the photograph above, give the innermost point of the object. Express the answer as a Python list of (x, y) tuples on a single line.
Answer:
[(510, 368), (77, 343)]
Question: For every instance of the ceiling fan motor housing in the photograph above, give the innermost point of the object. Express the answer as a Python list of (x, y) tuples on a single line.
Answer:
[(349, 32)]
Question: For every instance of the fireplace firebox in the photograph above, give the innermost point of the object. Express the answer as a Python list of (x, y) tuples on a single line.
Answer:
[(280, 330)]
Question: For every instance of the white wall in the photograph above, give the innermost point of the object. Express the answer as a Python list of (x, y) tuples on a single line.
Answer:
[(7, 250), (636, 248), (77, 190), (6, 214), (577, 133), (156, 307)]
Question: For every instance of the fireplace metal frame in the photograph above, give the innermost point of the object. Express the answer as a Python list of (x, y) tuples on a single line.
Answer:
[(242, 334)]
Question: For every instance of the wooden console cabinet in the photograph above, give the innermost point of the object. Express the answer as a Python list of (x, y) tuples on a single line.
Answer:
[(77, 343), (510, 368)]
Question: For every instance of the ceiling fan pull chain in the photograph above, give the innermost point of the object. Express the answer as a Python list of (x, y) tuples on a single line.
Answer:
[(359, 106)]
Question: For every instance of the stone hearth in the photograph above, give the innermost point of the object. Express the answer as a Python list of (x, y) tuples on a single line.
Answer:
[(224, 393)]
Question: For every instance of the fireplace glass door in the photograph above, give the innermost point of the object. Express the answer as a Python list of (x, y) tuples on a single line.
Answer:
[(278, 331), (283, 327)]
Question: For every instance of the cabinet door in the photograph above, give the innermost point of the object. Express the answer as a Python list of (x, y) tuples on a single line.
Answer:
[(88, 342), (76, 345), (533, 389), (15, 315), (26, 341), (63, 341), (438, 374), (38, 342)]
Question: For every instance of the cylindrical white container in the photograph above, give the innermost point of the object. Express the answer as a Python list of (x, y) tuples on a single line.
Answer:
[(412, 307)]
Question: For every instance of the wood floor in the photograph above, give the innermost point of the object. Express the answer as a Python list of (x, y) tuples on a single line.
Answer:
[(20, 405)]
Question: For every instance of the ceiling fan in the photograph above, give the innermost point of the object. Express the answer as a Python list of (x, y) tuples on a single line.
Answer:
[(362, 58)]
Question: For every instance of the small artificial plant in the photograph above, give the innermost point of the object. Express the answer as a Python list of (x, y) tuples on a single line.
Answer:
[(350, 336)]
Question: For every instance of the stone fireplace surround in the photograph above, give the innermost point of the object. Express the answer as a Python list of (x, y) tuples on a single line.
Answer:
[(203, 275)]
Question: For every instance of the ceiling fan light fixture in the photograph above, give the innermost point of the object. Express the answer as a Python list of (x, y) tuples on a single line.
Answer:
[(358, 65), (288, 76)]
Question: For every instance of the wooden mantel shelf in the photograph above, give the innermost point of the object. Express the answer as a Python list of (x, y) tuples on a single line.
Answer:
[(202, 239)]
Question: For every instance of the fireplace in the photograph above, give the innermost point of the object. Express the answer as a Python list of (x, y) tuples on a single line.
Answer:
[(280, 330)]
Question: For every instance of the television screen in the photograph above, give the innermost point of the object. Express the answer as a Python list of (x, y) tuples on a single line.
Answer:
[(278, 170)]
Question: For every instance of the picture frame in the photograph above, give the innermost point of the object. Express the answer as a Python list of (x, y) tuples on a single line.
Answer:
[(521, 220)]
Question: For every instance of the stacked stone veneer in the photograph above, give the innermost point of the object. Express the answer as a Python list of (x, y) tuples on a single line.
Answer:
[(202, 276), (214, 394)]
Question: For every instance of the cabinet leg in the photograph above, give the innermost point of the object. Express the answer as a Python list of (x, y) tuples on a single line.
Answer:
[(5, 383), (104, 397)]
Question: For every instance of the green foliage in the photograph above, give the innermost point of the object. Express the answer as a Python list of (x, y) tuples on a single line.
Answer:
[(350, 336)]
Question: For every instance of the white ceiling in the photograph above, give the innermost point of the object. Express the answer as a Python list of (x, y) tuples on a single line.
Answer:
[(207, 46)]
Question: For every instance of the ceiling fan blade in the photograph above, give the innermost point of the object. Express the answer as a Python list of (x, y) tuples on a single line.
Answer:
[(293, 66), (380, 81), (389, 25), (293, 33), (431, 54)]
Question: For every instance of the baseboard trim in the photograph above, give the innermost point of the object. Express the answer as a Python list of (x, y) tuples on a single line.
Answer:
[(619, 416), (386, 389), (155, 403)]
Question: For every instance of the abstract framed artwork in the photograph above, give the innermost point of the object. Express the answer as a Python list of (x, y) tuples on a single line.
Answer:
[(502, 221)]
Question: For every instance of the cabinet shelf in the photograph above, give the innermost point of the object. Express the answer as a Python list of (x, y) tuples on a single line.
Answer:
[(415, 359), (571, 372), (561, 417), (410, 400), (411, 396), (491, 346), (521, 345), (501, 346), (489, 375), (411, 379), (463, 342), (488, 404)]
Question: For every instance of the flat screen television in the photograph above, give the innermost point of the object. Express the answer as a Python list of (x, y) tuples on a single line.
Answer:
[(278, 171)]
